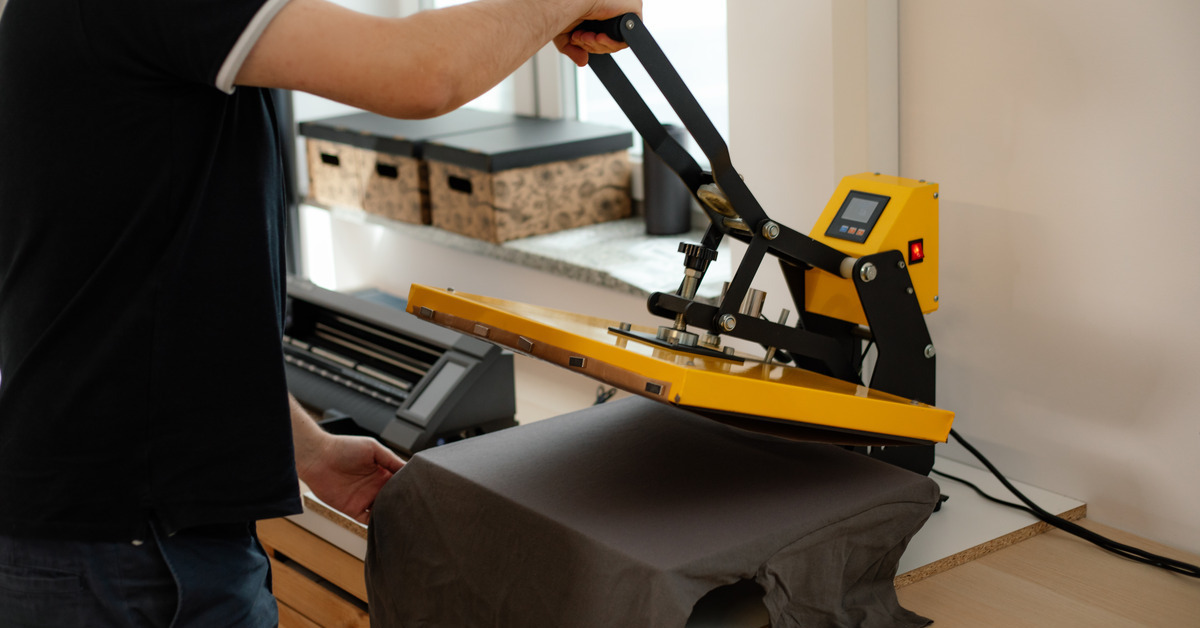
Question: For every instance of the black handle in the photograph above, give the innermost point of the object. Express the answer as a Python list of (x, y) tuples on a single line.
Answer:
[(611, 27)]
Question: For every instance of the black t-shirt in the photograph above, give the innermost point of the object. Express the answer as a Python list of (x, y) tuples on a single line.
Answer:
[(141, 270)]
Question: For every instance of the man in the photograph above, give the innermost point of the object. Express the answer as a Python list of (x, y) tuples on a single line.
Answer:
[(144, 418)]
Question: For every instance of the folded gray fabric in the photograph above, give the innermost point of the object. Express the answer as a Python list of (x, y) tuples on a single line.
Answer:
[(626, 514)]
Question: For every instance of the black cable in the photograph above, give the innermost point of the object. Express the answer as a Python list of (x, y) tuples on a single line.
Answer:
[(983, 494), (1127, 551), (603, 394)]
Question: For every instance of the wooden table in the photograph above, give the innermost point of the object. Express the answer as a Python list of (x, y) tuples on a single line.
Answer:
[(1055, 579)]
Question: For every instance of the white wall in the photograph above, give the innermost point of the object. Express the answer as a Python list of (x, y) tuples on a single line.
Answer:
[(1065, 138), (812, 97)]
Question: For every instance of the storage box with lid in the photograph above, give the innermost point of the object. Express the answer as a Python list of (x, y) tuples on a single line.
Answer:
[(529, 177), (371, 162)]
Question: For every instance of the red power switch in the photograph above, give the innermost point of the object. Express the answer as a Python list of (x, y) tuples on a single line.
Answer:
[(916, 251)]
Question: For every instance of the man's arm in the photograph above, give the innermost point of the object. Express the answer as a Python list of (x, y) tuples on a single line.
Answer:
[(423, 65), (345, 472)]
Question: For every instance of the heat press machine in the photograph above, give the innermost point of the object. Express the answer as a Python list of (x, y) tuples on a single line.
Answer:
[(863, 277)]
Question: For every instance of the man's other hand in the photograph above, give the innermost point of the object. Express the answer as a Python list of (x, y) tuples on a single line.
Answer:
[(349, 472)]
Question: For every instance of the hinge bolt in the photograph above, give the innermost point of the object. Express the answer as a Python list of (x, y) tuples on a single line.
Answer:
[(929, 352), (770, 230), (727, 322), (868, 272)]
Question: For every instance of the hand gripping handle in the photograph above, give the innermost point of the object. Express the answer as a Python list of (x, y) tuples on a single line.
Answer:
[(610, 27)]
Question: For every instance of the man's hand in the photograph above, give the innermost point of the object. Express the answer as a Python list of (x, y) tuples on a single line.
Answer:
[(345, 472), (350, 473), (578, 44)]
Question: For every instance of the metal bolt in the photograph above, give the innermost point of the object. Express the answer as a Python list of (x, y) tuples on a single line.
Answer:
[(629, 24), (929, 352), (625, 326), (900, 264), (935, 195), (935, 298), (770, 230), (910, 290), (868, 272), (727, 322)]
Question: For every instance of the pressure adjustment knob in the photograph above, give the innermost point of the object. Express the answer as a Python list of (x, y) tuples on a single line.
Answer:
[(697, 256)]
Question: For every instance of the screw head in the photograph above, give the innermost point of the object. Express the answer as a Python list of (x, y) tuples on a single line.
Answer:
[(629, 24), (868, 272), (929, 352), (900, 264), (770, 230), (727, 322)]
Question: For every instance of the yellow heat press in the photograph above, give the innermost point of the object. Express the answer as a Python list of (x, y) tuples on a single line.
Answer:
[(864, 276)]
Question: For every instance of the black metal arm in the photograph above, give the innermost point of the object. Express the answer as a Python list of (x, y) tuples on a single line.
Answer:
[(905, 364), (739, 215)]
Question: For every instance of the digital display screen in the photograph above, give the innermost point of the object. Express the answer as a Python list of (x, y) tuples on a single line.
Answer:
[(857, 216), (860, 209)]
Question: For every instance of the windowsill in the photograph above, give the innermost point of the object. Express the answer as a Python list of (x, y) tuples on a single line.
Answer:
[(616, 255)]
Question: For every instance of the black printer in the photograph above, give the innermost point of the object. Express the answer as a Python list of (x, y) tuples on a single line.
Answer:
[(371, 368)]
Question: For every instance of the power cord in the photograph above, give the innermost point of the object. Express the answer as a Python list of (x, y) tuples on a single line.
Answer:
[(982, 493), (604, 394), (1127, 551)]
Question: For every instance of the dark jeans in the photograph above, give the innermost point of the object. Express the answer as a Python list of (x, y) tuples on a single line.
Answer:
[(214, 577)]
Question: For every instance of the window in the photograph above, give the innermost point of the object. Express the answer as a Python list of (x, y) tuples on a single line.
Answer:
[(502, 97), (692, 35)]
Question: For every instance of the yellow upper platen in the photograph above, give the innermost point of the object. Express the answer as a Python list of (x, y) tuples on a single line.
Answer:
[(870, 213), (830, 409)]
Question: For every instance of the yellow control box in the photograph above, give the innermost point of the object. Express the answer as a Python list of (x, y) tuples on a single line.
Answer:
[(870, 213)]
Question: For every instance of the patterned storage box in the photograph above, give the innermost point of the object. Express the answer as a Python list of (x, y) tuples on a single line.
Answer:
[(371, 162), (533, 176)]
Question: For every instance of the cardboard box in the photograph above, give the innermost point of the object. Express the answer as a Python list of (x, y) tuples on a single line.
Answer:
[(336, 173), (530, 177), (371, 162)]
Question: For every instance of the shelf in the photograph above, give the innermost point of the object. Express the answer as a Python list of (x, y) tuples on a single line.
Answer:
[(616, 255)]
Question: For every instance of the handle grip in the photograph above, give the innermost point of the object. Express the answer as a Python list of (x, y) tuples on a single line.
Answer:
[(611, 27)]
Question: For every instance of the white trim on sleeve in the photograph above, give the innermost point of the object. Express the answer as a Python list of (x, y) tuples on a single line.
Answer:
[(241, 48)]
